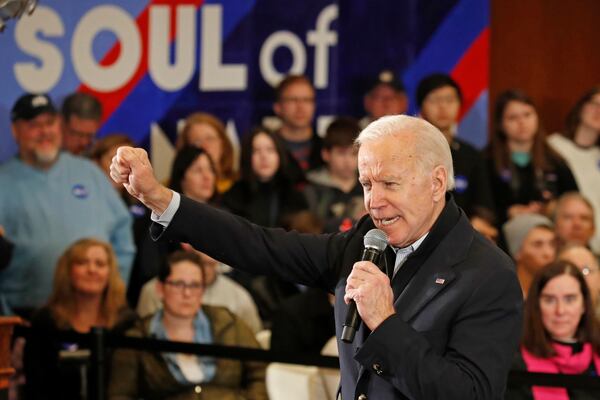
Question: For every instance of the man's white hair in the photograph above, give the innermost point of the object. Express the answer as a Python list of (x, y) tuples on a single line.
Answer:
[(430, 145)]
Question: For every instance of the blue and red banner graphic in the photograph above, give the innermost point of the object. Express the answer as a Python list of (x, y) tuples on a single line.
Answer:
[(152, 63)]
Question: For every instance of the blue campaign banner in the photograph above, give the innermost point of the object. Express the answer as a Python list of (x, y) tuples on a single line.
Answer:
[(152, 63)]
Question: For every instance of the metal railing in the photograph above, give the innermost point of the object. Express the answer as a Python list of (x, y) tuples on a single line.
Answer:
[(99, 342)]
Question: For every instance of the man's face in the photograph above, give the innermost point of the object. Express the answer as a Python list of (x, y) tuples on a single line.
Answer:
[(384, 100), (538, 249), (341, 161), (403, 200), (296, 107), (441, 108), (574, 222), (79, 134), (39, 139)]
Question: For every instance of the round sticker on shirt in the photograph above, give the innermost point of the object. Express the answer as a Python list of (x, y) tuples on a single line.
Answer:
[(506, 176), (80, 191), (462, 183), (137, 210)]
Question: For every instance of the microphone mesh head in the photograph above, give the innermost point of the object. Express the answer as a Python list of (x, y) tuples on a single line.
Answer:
[(376, 238)]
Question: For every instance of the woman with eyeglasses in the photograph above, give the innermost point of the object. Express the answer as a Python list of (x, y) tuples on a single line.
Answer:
[(579, 145), (560, 333), (88, 292), (183, 318)]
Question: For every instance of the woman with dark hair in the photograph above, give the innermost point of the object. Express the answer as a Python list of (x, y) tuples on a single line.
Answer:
[(526, 174), (88, 292), (265, 193), (579, 145), (207, 132), (560, 333), (194, 176)]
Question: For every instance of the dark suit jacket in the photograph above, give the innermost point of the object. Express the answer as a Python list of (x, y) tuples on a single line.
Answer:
[(303, 323), (458, 319)]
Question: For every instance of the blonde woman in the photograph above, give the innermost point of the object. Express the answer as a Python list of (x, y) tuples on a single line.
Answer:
[(88, 292)]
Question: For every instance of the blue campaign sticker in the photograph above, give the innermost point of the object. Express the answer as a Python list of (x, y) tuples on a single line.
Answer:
[(506, 175), (137, 210), (80, 191), (462, 183)]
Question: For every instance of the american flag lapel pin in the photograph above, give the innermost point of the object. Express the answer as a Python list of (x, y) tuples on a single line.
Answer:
[(440, 281)]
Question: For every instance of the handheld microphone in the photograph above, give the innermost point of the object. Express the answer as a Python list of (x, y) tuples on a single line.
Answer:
[(375, 242)]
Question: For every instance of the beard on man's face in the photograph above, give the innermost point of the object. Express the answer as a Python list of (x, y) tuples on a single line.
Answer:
[(45, 157)]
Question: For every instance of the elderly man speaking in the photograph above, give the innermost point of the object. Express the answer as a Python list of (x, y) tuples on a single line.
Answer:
[(443, 323)]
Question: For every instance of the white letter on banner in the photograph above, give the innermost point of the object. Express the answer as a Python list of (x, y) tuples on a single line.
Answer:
[(273, 42), (322, 38), (111, 77), (215, 76), (42, 78), (172, 77)]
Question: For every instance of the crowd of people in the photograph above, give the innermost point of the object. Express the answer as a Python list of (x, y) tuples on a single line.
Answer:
[(75, 252)]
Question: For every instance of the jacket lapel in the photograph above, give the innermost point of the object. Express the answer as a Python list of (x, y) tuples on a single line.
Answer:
[(436, 273)]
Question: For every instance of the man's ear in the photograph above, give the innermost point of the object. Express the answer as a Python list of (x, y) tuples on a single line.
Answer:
[(439, 183)]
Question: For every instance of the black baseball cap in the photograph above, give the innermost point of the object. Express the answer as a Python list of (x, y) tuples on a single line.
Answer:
[(389, 78), (30, 106)]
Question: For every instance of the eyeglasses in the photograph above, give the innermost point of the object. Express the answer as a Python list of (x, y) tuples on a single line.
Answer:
[(587, 270), (181, 286)]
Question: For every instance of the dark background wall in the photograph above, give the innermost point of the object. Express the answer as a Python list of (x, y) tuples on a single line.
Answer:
[(549, 48)]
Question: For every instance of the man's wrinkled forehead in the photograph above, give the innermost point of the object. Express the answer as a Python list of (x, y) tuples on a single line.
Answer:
[(401, 147), (386, 158)]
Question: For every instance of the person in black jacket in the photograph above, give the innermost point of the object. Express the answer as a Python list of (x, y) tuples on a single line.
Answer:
[(303, 323), (526, 174), (265, 193), (295, 106), (441, 314), (439, 98)]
